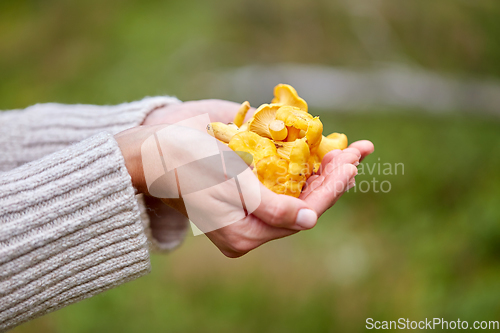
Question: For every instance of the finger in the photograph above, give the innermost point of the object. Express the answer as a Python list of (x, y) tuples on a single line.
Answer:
[(312, 183), (283, 211), (344, 158), (166, 224), (365, 147), (241, 237), (335, 153), (331, 189), (330, 156), (352, 150)]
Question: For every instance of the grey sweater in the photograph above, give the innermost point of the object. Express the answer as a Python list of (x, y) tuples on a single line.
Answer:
[(70, 223)]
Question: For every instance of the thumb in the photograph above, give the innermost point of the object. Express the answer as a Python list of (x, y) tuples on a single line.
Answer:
[(283, 211)]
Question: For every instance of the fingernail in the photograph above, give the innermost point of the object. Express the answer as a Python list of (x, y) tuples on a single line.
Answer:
[(356, 163), (351, 185), (306, 218)]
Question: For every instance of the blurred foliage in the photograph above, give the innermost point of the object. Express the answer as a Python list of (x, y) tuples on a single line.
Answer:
[(428, 248), (110, 51)]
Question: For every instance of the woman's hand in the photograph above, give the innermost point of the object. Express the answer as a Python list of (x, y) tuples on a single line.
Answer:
[(280, 215), (277, 215)]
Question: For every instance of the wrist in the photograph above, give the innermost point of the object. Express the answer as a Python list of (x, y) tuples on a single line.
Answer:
[(130, 148)]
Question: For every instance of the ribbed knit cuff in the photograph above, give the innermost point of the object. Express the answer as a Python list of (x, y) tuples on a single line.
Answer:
[(70, 228), (41, 129)]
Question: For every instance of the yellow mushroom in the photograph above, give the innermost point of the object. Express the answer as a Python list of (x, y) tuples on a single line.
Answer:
[(253, 144), (314, 164), (300, 122), (293, 117), (242, 112), (260, 121), (293, 188), (284, 149), (314, 133), (331, 142), (285, 94), (221, 131), (282, 141), (293, 134), (272, 171), (299, 156)]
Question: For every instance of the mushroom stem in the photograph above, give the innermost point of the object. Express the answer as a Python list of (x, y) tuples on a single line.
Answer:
[(242, 112), (221, 131), (293, 134), (278, 130)]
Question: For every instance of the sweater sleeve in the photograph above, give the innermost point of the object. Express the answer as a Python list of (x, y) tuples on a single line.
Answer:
[(30, 134), (70, 228)]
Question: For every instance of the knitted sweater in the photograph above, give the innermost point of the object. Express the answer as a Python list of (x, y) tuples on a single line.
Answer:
[(70, 223)]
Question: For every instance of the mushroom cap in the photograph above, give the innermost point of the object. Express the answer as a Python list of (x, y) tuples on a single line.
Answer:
[(253, 144), (314, 133), (303, 121), (294, 117), (261, 119), (272, 171), (285, 94), (314, 163), (299, 156), (331, 142), (293, 188)]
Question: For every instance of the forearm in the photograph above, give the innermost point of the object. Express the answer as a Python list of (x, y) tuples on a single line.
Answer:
[(29, 134), (69, 228)]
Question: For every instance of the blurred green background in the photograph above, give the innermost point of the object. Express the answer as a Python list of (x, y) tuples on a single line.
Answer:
[(430, 247)]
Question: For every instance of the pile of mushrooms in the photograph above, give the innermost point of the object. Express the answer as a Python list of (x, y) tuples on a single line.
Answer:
[(286, 143)]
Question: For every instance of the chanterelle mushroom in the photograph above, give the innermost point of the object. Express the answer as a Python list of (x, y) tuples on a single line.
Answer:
[(297, 121), (262, 118), (285, 94), (331, 142), (221, 131), (242, 112), (283, 142), (253, 144), (272, 171)]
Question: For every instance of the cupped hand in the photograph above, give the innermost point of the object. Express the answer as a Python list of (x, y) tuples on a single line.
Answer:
[(277, 215)]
